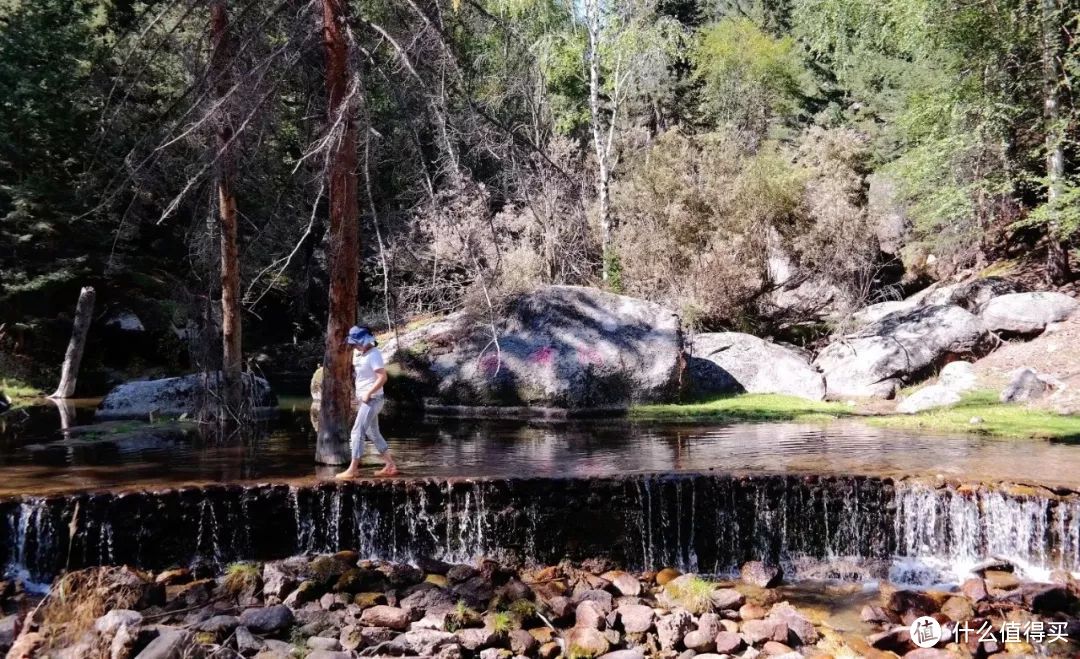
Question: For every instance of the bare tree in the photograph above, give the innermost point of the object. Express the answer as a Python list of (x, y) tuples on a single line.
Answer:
[(84, 312), (1057, 263), (601, 144), (342, 86), (231, 361)]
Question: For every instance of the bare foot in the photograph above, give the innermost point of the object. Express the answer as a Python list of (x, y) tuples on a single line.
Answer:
[(388, 470), (347, 475)]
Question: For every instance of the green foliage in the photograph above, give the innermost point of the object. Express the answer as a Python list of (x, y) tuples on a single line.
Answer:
[(750, 78)]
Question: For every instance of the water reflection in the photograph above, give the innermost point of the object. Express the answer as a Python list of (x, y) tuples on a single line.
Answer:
[(54, 448)]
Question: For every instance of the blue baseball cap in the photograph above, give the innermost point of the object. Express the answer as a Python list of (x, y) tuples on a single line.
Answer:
[(360, 336)]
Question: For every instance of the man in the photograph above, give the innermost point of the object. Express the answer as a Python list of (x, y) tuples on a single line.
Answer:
[(370, 376)]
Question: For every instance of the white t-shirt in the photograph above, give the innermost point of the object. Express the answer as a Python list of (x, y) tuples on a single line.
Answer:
[(364, 366)]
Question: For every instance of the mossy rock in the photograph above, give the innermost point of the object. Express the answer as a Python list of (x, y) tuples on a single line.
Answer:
[(357, 580)]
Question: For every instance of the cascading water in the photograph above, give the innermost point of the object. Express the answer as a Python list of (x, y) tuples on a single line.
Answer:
[(843, 527), (943, 532)]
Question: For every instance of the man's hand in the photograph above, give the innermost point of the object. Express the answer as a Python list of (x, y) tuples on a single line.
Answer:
[(366, 398)]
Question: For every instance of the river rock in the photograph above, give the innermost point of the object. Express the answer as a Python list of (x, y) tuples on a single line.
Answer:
[(329, 654), (1026, 313), (635, 618), (958, 609), (267, 620), (897, 639), (955, 380), (171, 643), (746, 363), (757, 573), (672, 628), (246, 642), (899, 348), (176, 396), (778, 649), (324, 643), (390, 617), (727, 598), (427, 600), (632, 653), (751, 611), (974, 589), (585, 642), (422, 641), (115, 619), (282, 577), (590, 614), (220, 626), (626, 584), (756, 631), (475, 638), (699, 641), (476, 592), (1026, 384), (727, 642), (601, 597), (797, 623), (559, 346)]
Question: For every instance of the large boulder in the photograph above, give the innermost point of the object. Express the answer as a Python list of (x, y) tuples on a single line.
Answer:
[(177, 396), (754, 366), (899, 348), (559, 346), (1026, 313), (971, 295), (956, 379)]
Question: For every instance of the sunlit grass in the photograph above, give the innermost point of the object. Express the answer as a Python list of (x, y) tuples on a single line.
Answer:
[(20, 393), (994, 418), (747, 407)]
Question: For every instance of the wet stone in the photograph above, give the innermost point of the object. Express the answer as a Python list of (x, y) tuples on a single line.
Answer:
[(390, 617), (267, 620), (762, 575), (728, 643), (590, 614), (324, 643), (672, 628)]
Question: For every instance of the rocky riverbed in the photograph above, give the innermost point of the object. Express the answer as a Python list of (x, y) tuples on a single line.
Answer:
[(339, 607)]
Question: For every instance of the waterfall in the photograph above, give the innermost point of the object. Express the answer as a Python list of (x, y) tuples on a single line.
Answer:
[(853, 527), (943, 532)]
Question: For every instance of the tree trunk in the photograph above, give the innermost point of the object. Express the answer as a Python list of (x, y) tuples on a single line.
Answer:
[(84, 312), (344, 239), (231, 357), (603, 175), (1057, 262)]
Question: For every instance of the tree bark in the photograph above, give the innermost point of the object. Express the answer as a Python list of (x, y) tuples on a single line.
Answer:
[(603, 173), (344, 238), (1057, 261), (231, 356), (69, 373)]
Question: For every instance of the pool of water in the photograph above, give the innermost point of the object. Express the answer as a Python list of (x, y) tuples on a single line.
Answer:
[(38, 456)]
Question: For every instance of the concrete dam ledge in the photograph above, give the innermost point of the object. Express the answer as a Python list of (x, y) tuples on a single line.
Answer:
[(849, 527)]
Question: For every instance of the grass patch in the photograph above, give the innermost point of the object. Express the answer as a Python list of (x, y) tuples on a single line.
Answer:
[(692, 593), (240, 577), (502, 622), (20, 393), (747, 407), (998, 419)]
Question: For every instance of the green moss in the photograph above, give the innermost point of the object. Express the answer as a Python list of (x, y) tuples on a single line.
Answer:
[(997, 419), (747, 407)]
